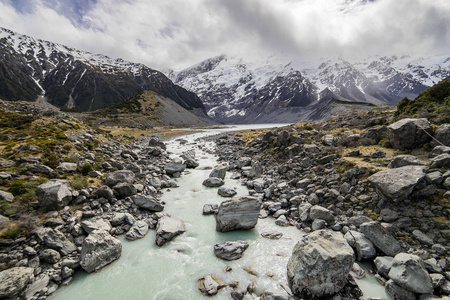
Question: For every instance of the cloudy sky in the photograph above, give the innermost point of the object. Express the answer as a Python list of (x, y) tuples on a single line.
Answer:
[(179, 33)]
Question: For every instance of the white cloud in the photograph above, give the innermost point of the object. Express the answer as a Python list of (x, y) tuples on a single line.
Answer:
[(178, 33)]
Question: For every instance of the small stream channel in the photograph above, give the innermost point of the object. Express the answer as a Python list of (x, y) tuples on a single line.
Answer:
[(146, 271)]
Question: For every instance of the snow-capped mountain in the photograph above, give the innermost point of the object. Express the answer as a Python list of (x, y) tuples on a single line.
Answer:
[(71, 78), (267, 89)]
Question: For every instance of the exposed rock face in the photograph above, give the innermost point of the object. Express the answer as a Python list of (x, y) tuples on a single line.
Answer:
[(99, 249), (125, 176), (408, 134), (167, 229), (230, 250), (238, 213), (381, 238), (147, 202), (54, 194), (320, 264), (137, 231), (54, 239), (14, 280), (397, 184), (408, 271)]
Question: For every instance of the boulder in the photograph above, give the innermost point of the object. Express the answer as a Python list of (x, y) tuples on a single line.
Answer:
[(39, 169), (363, 247), (209, 209), (213, 182), (156, 142), (383, 265), (104, 192), (122, 218), (124, 189), (191, 163), (404, 160), (54, 194), (14, 280), (54, 239), (210, 285), (147, 202), (230, 250), (441, 136), (319, 212), (408, 134), (381, 238), (137, 231), (422, 237), (440, 161), (167, 229), (397, 184), (98, 250), (90, 225), (49, 256), (172, 168), (66, 167), (226, 192), (273, 235), (219, 172), (408, 271), (397, 292), (6, 196), (238, 213), (320, 264), (125, 176)]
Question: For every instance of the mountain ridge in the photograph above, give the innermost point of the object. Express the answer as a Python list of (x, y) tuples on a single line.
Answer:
[(238, 90), (72, 78)]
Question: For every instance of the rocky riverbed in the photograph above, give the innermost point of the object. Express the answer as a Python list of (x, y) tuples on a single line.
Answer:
[(384, 207)]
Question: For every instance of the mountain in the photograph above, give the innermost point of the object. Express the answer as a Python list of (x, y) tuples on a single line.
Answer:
[(71, 78), (269, 89)]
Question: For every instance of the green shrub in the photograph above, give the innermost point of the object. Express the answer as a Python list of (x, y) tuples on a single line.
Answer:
[(89, 146), (79, 182), (51, 160), (87, 167), (308, 127)]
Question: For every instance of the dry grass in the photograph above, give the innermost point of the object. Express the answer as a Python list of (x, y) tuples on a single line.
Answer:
[(250, 134), (127, 131)]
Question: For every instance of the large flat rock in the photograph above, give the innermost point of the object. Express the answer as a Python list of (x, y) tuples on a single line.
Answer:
[(397, 184), (167, 229)]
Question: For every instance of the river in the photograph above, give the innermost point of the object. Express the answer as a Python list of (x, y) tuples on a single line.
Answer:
[(146, 271)]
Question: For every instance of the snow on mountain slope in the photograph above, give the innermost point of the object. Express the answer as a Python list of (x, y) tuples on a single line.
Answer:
[(71, 78), (235, 89)]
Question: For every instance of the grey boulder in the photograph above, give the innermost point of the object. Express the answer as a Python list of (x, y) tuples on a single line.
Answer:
[(230, 250), (441, 135), (147, 202), (14, 280), (54, 239), (238, 213), (404, 160), (167, 229), (440, 161), (66, 167), (408, 271), (226, 192), (6, 196), (363, 247), (397, 184), (219, 172), (408, 134), (137, 231), (172, 168), (54, 194), (125, 176), (125, 189), (98, 250), (90, 225), (319, 212), (213, 182), (381, 238), (383, 264), (320, 264)]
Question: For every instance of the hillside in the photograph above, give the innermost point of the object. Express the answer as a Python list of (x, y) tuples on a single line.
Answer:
[(434, 103), (145, 110), (70, 78)]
